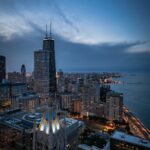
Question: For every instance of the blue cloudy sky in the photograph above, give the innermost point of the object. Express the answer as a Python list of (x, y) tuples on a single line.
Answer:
[(90, 35)]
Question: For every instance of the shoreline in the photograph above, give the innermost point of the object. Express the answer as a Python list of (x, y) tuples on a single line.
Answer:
[(141, 126), (136, 126)]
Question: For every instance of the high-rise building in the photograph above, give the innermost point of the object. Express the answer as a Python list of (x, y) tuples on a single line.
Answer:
[(45, 69), (2, 68), (103, 92), (5, 91), (9, 92), (114, 106), (77, 105), (23, 72)]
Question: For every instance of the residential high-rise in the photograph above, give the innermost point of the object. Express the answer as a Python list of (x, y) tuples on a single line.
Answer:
[(2, 68), (45, 69), (114, 106), (8, 93), (104, 89)]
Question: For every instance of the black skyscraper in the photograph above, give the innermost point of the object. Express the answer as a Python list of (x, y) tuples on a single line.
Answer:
[(2, 68), (45, 68), (48, 45)]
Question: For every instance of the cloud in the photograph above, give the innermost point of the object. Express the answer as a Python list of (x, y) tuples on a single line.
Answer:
[(24, 19), (141, 47), (66, 19), (73, 56), (18, 19), (12, 26)]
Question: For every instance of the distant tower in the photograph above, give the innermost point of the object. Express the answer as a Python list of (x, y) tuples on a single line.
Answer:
[(45, 68), (50, 134), (23, 73), (2, 68), (23, 70)]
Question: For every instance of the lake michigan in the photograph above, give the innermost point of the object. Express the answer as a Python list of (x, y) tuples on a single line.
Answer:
[(136, 90)]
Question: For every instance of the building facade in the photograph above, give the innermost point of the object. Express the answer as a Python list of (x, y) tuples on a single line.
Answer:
[(114, 106), (16, 77), (104, 89), (27, 102), (122, 141), (77, 106), (50, 135), (8, 93), (45, 69), (71, 102), (5, 92), (18, 88)]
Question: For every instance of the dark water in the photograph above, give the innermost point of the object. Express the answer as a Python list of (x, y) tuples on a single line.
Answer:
[(136, 92)]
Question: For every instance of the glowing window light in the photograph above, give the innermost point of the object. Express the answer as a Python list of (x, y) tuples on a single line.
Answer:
[(57, 125), (42, 127), (53, 128), (87, 114), (47, 129)]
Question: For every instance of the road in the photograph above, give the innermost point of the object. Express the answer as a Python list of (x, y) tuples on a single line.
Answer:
[(136, 126)]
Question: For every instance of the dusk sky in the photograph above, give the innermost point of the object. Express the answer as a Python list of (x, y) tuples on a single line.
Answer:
[(90, 35)]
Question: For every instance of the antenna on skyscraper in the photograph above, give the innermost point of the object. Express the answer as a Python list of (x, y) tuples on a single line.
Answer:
[(50, 29), (46, 31)]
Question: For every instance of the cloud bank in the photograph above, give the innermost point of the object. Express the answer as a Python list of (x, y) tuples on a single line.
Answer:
[(26, 17)]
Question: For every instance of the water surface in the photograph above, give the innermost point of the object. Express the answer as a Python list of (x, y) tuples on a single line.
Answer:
[(136, 92)]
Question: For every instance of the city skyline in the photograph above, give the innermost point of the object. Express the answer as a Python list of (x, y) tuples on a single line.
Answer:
[(74, 74), (113, 36)]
